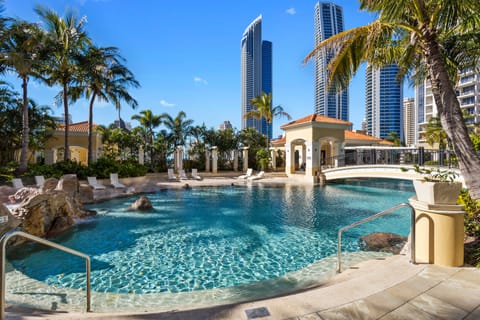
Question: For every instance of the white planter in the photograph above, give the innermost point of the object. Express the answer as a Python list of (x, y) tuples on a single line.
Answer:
[(437, 192)]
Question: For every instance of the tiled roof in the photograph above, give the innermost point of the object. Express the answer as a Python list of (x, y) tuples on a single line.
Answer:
[(315, 118), (353, 135), (76, 127), (279, 141), (386, 143)]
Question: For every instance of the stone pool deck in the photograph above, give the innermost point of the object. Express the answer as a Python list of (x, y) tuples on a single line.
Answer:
[(390, 288)]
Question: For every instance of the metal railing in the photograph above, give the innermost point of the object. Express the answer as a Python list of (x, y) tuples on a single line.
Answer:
[(54, 245), (372, 217)]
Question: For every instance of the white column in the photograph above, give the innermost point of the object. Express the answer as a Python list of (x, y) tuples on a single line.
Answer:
[(245, 158), (273, 156), (289, 158), (214, 159), (235, 160), (180, 158), (207, 161), (312, 159), (141, 155), (49, 156)]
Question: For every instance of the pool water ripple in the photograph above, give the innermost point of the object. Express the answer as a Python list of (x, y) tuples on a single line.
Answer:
[(209, 238)]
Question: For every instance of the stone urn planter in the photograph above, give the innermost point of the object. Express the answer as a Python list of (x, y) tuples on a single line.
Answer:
[(435, 192)]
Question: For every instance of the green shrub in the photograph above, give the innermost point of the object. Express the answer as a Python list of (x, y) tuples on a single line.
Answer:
[(262, 159), (472, 214)]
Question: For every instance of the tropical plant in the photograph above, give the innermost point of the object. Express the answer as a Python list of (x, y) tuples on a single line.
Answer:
[(180, 127), (21, 52), (264, 110), (66, 40), (104, 77), (436, 174), (435, 134), (149, 122), (436, 39), (393, 137)]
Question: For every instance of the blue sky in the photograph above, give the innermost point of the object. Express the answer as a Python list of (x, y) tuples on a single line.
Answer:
[(186, 55)]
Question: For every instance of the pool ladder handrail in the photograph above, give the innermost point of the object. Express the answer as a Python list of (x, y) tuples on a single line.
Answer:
[(13, 233), (372, 217)]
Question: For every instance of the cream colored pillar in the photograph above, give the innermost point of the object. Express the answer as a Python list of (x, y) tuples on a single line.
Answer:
[(49, 156), (245, 158), (289, 159), (439, 233), (207, 161), (214, 159), (235, 160), (312, 159), (273, 157), (141, 155)]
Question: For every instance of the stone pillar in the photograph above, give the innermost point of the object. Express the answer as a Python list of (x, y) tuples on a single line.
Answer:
[(313, 159), (214, 159), (207, 161), (273, 155), (141, 155), (439, 233), (303, 157), (49, 155), (289, 159), (180, 159), (235, 160), (245, 158), (341, 154)]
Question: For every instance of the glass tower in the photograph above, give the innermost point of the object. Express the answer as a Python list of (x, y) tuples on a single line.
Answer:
[(329, 102), (256, 73), (383, 101)]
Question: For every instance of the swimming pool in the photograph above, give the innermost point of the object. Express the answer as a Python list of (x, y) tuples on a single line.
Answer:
[(215, 237)]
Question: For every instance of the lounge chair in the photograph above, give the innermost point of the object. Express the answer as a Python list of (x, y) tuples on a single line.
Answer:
[(39, 181), (195, 175), (17, 183), (183, 175), (114, 181), (92, 181), (246, 175), (257, 176), (171, 175)]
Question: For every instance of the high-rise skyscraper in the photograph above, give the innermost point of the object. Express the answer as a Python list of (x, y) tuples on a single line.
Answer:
[(329, 101), (256, 73), (409, 123), (383, 101)]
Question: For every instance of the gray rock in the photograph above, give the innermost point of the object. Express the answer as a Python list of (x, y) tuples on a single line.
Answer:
[(141, 204), (381, 241)]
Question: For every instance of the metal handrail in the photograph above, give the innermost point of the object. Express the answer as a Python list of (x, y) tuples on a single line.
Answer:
[(54, 245), (377, 215)]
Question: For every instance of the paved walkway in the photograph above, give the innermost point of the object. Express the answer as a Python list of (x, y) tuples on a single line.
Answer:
[(378, 289)]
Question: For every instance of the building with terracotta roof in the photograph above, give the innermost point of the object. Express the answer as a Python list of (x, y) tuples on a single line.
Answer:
[(78, 143)]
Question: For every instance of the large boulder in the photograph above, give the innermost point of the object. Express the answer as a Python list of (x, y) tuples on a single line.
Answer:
[(69, 184), (141, 204), (7, 220), (381, 241)]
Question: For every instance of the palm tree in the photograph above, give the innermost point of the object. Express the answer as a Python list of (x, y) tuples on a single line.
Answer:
[(149, 121), (180, 127), (263, 109), (434, 133), (393, 137), (104, 78), (21, 52), (433, 38), (67, 40)]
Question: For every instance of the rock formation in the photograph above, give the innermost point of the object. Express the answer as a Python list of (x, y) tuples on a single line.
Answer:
[(141, 204), (385, 242)]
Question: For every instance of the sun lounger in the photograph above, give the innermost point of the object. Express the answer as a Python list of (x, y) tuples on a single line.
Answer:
[(17, 183), (183, 175), (171, 175), (114, 181), (257, 176), (195, 174), (92, 181), (39, 181), (246, 175)]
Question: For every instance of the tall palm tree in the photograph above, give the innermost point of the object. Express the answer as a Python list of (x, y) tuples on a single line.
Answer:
[(67, 39), (263, 109), (149, 121), (434, 133), (432, 38), (180, 127), (104, 78), (21, 52)]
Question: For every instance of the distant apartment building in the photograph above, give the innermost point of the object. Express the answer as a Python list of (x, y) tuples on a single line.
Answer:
[(330, 102), (383, 101), (409, 122), (468, 93), (225, 125), (256, 73)]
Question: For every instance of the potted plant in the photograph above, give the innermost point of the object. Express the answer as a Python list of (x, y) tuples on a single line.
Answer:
[(437, 186)]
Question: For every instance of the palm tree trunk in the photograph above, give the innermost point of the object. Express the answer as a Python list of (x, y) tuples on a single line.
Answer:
[(90, 128), (451, 117), (25, 128), (66, 153)]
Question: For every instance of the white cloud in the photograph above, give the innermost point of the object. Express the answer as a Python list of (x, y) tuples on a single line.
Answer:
[(165, 103), (291, 11), (199, 80)]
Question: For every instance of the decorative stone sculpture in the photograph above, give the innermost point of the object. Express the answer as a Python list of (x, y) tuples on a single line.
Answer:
[(141, 204)]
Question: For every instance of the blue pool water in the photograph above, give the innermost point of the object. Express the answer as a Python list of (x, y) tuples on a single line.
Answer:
[(218, 237)]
